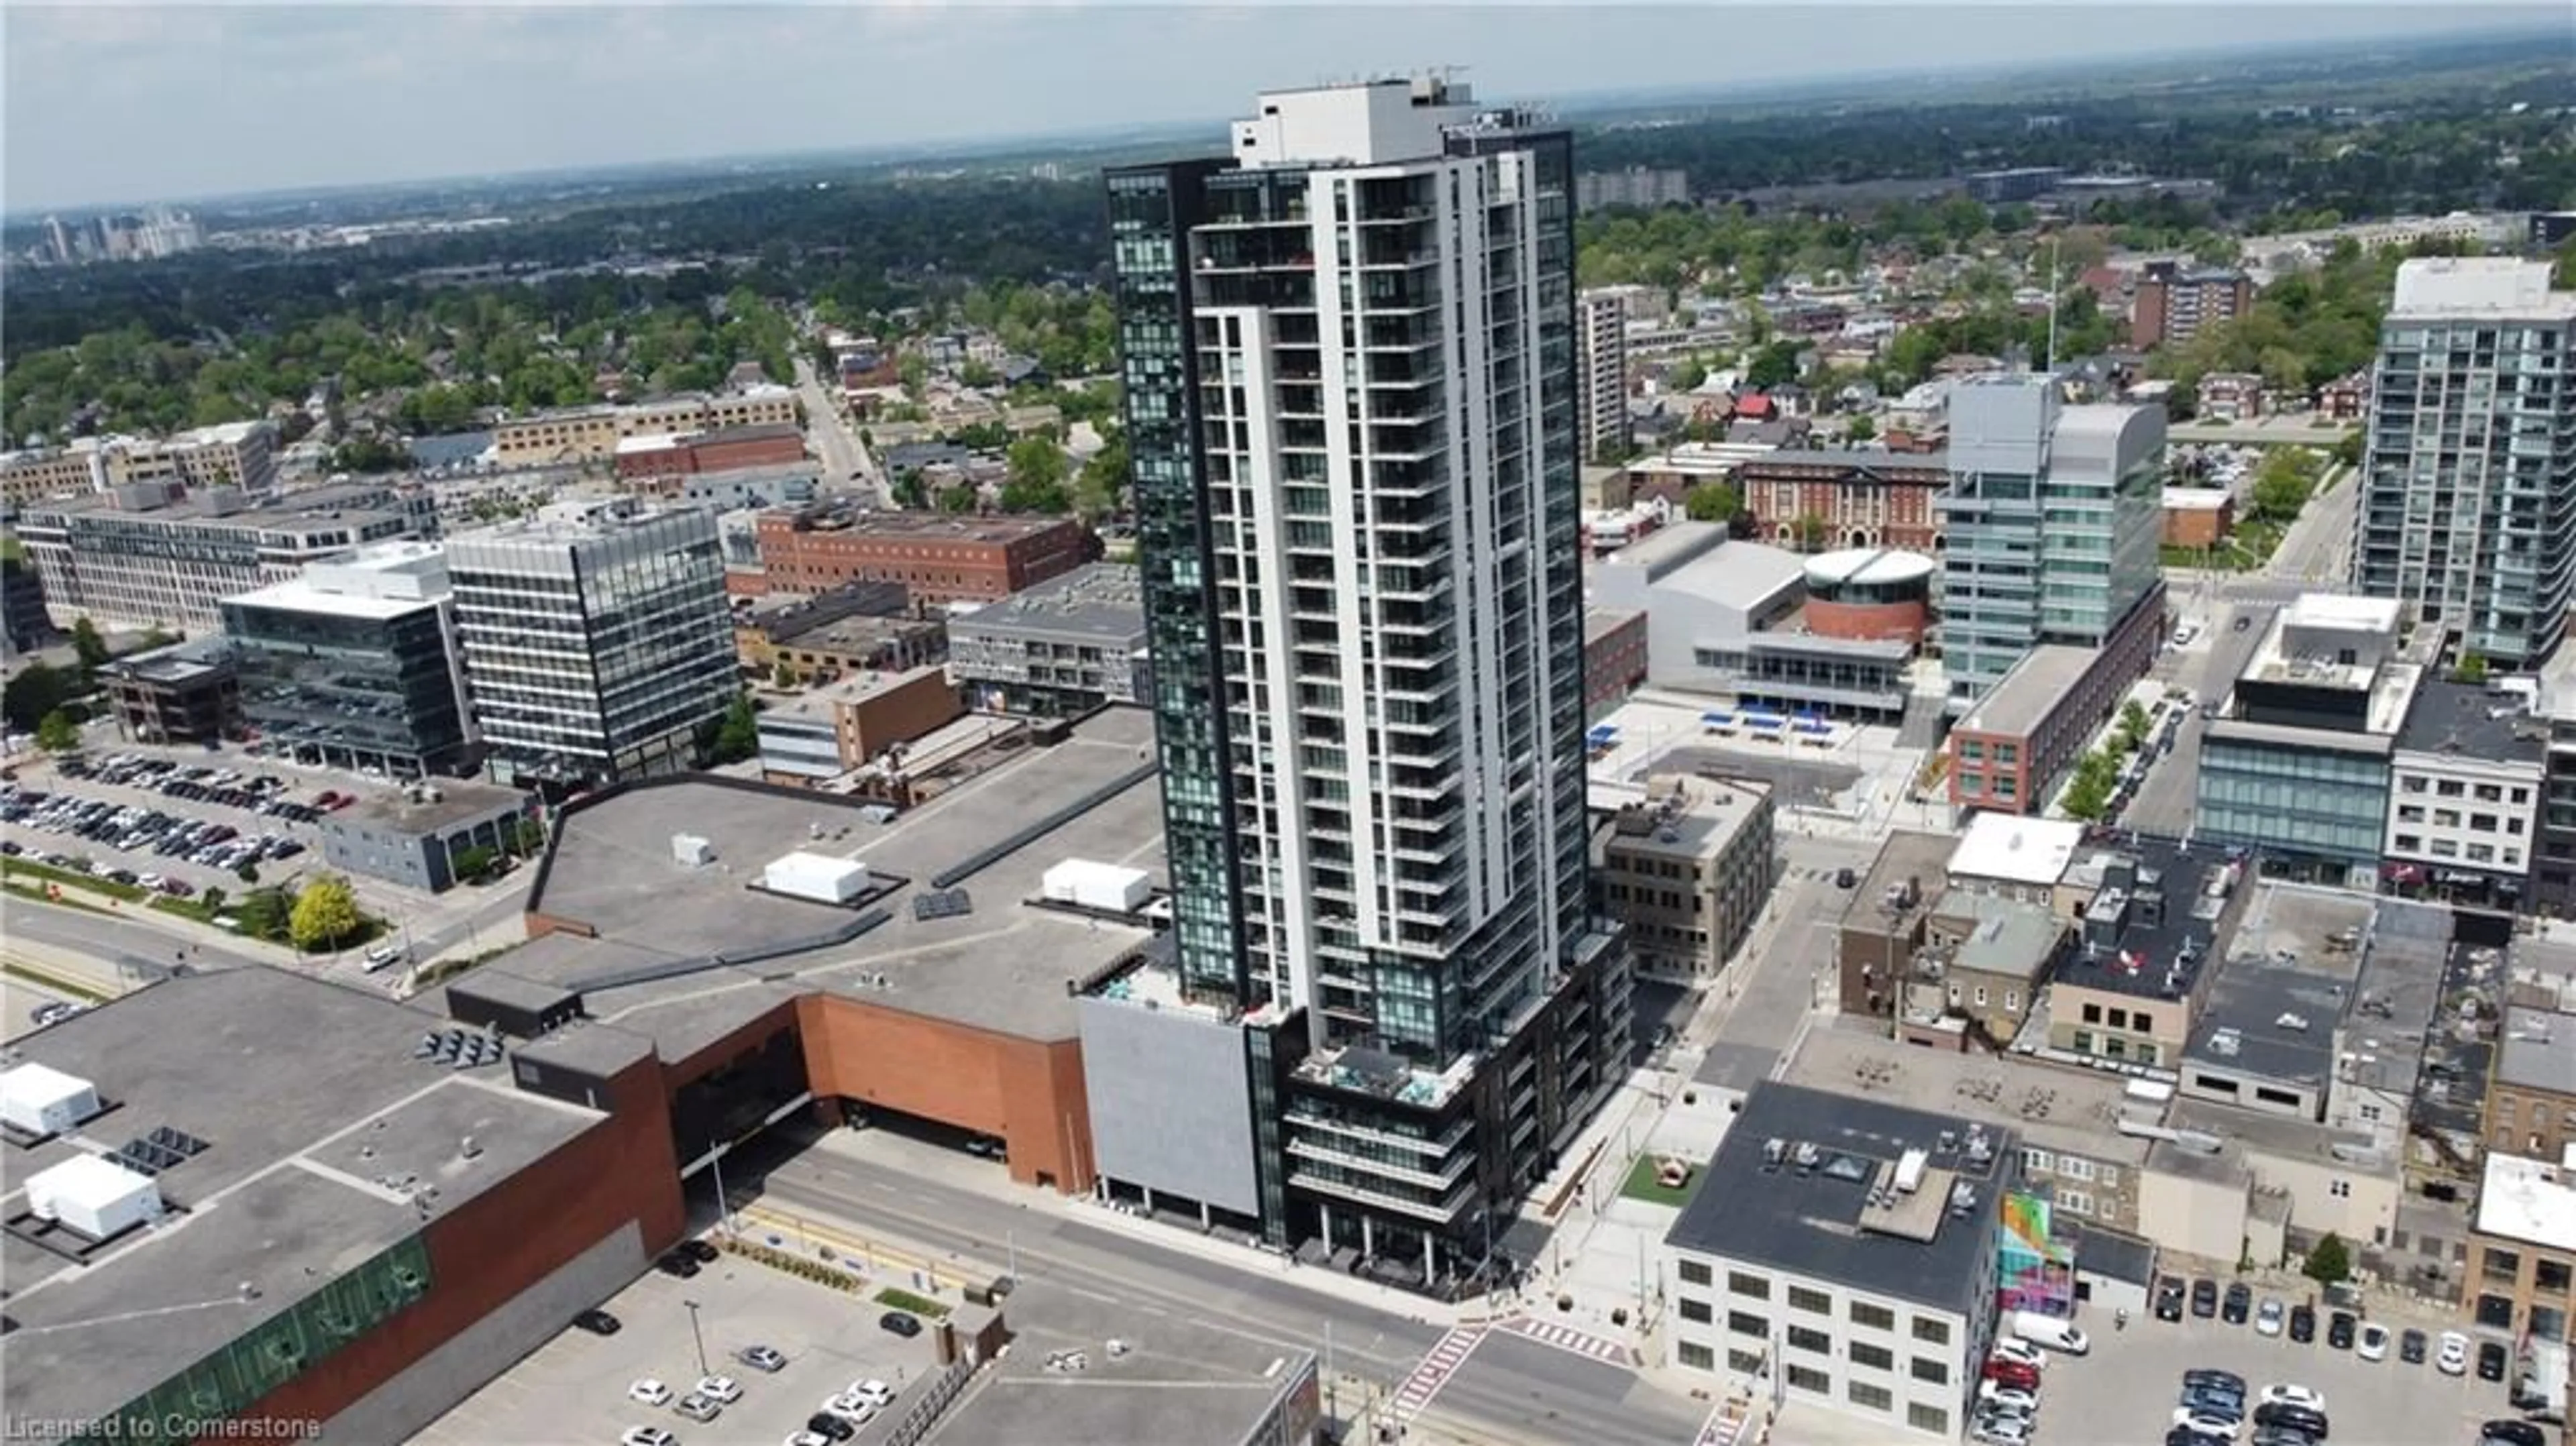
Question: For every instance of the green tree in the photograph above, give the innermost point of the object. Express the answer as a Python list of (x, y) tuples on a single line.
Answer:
[(2133, 724), (908, 489), (88, 646), (2088, 794), (474, 862), (248, 874), (1102, 485), (211, 900), (2281, 488), (960, 498), (783, 675), (57, 733), (2472, 670), (1690, 375), (325, 914), (1863, 428), (1713, 502), (264, 913), (1036, 481), (738, 733), (39, 689), (1773, 365), (2563, 276), (528, 838), (1811, 532), (2329, 1261)]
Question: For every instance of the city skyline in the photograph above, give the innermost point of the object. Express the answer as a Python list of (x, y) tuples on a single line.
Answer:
[(198, 101)]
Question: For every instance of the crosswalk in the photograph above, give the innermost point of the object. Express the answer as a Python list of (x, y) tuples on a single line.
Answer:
[(1567, 1338), (1437, 1365)]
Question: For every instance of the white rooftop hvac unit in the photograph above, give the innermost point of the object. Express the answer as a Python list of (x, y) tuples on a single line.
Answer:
[(819, 877), (1106, 887), (689, 849), (92, 1196), (42, 1101)]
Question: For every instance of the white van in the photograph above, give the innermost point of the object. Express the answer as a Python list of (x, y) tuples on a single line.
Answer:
[(2048, 1332), (384, 956)]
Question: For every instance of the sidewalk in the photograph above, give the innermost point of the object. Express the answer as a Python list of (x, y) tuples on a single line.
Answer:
[(63, 970)]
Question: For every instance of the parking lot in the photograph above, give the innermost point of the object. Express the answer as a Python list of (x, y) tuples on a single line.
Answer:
[(2123, 1394), (154, 822), (574, 1388)]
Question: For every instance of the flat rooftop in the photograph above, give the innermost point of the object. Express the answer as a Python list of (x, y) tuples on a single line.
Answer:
[(1001, 967), (1908, 859), (446, 803), (2528, 1200), (1099, 602), (1599, 623), (821, 701), (2537, 1051), (2153, 950), (279, 1074), (2015, 850), (2050, 1107), (1172, 1380), (333, 504), (1815, 1220), (1714, 811), (923, 526), (2241, 1132), (2270, 1021), (2455, 720), (2005, 936), (2033, 689)]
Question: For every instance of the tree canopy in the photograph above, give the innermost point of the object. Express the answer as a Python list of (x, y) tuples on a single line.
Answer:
[(325, 914)]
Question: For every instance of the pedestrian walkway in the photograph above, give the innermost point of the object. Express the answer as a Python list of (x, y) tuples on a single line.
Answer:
[(1567, 1338), (1437, 1366)]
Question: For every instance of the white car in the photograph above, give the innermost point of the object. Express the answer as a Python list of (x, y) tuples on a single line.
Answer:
[(648, 1436), (2014, 1348), (874, 1392), (850, 1408), (2000, 1432), (721, 1389), (2200, 1423), (1996, 1393), (2299, 1396), (807, 1438), (2267, 1317), (2454, 1358), (2373, 1345), (649, 1391)]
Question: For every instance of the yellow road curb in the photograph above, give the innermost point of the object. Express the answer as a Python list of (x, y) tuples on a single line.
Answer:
[(49, 979)]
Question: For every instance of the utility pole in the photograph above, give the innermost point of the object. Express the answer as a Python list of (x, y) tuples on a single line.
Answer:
[(1332, 1395), (697, 1336)]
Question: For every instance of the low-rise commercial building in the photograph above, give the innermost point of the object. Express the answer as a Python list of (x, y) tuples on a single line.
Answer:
[(1615, 659), (185, 693), (789, 484), (1688, 870), (1881, 930), (429, 836), (2016, 743), (2522, 1256), (1978, 977), (2464, 797), (2531, 1096), (724, 449), (2297, 764), (1841, 1253), (233, 454), (2146, 937), (355, 664), (940, 558), (1058, 649), (2198, 517), (591, 434), (152, 554), (838, 726)]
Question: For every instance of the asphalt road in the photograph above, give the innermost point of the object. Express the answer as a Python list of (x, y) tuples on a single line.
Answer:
[(2166, 799), (114, 941), (1526, 1393), (846, 464), (20, 999)]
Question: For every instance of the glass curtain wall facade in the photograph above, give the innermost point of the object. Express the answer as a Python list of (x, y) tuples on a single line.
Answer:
[(2311, 808), (594, 652), (1352, 411), (350, 689), (2469, 482)]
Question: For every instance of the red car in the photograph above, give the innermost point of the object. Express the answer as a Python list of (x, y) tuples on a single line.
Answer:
[(2012, 1373)]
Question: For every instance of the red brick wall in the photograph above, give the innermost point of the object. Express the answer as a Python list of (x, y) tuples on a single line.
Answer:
[(898, 715), (1885, 511), (1867, 621), (937, 569), (2196, 526), (1029, 1093), (708, 455)]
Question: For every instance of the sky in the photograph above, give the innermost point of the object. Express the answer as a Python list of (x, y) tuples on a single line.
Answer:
[(113, 102)]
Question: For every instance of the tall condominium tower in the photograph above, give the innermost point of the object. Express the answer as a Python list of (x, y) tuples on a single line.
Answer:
[(2049, 530), (596, 639), (1349, 358), (2468, 508), (1602, 344)]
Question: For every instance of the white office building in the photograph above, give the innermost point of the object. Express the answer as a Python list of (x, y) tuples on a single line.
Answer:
[(1601, 330), (597, 640)]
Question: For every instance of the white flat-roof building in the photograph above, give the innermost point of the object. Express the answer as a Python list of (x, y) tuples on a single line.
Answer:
[(2023, 858)]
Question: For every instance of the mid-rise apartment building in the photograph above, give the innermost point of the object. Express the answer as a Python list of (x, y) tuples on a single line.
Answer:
[(1687, 870), (1841, 1253), (233, 454), (2174, 303), (597, 641), (2050, 523), (2468, 505), (940, 558), (1057, 650), (151, 554), (2297, 762), (2017, 742), (2464, 797), (1352, 395), (1640, 187), (1601, 329), (592, 434), (355, 664)]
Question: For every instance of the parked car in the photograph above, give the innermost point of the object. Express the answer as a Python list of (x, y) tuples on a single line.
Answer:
[(2238, 1305), (2292, 1395), (2410, 1347), (2303, 1323), (900, 1324), (598, 1323), (2296, 1418), (765, 1359), (2511, 1433), (700, 1251), (650, 1392), (2224, 1380), (829, 1426), (2454, 1358), (2170, 1292), (2051, 1333), (673, 1263), (2204, 1298), (699, 1408), (2015, 1349), (723, 1390), (2268, 1316), (2202, 1425), (2012, 1373), (2491, 1360), (648, 1436), (2373, 1345), (875, 1392)]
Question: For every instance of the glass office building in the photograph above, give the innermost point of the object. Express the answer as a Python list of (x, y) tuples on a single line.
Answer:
[(354, 664), (597, 641)]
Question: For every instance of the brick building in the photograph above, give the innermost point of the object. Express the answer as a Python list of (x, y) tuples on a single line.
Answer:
[(766, 444), (939, 558), (2173, 304), (2198, 516), (2016, 744), (842, 724), (1614, 659), (1856, 498)]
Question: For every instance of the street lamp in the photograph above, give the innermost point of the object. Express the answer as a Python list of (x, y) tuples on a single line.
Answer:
[(696, 1336)]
